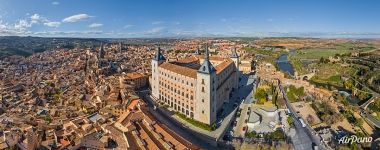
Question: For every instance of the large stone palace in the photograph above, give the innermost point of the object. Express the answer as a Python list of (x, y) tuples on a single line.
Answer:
[(196, 86)]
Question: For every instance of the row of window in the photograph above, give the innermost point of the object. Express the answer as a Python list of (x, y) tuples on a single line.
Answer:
[(178, 107), (176, 91)]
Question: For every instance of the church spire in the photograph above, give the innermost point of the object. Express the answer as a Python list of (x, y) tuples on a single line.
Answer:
[(101, 51)]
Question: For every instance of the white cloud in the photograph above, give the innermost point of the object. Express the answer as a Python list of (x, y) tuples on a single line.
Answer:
[(22, 25), (53, 24), (157, 22), (156, 30), (128, 26), (35, 18), (223, 19), (55, 3), (19, 28), (270, 20), (76, 18), (95, 25)]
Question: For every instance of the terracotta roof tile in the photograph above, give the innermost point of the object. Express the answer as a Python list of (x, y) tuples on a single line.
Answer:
[(219, 68), (134, 75), (179, 69)]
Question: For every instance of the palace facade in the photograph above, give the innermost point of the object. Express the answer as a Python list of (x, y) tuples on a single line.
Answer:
[(196, 86)]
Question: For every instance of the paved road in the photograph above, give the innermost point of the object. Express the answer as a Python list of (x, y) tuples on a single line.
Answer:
[(373, 120), (311, 137), (247, 86), (238, 132)]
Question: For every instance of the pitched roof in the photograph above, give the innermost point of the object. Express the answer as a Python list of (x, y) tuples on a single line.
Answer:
[(219, 68), (134, 75), (179, 69), (206, 67)]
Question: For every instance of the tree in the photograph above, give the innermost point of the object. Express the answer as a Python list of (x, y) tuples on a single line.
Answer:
[(290, 121), (359, 122), (322, 60), (310, 119), (260, 94)]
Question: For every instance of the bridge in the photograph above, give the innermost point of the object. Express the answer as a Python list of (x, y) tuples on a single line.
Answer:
[(305, 76)]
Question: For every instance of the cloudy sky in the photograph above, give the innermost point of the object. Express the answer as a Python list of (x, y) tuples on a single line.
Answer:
[(188, 18)]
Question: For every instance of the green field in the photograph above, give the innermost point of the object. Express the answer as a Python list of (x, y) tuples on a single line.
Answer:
[(317, 53), (341, 48)]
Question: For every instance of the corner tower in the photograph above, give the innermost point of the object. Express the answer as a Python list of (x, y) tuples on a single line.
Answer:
[(205, 110), (235, 57), (198, 51), (157, 60)]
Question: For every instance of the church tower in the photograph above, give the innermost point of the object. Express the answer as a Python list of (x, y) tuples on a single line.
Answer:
[(205, 110), (157, 60), (101, 52)]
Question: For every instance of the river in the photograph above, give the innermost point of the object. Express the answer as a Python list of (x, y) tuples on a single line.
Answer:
[(284, 64)]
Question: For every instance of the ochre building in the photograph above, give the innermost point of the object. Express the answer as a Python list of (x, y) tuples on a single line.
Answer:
[(196, 86)]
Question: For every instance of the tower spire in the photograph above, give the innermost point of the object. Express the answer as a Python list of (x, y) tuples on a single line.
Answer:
[(206, 53), (101, 52), (198, 51), (206, 67), (158, 55)]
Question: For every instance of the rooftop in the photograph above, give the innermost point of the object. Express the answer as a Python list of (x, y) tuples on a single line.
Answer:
[(190, 65)]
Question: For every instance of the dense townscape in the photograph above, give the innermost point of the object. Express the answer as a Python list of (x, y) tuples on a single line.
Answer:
[(192, 94)]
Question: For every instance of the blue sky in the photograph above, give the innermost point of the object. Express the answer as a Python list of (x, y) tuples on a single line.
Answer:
[(188, 18)]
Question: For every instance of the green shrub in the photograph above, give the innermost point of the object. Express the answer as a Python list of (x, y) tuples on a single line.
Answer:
[(197, 123), (290, 121)]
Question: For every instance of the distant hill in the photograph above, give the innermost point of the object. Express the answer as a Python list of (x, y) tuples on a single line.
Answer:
[(25, 46)]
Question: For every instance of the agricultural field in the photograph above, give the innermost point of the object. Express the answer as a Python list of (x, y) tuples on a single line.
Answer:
[(330, 74), (332, 49)]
